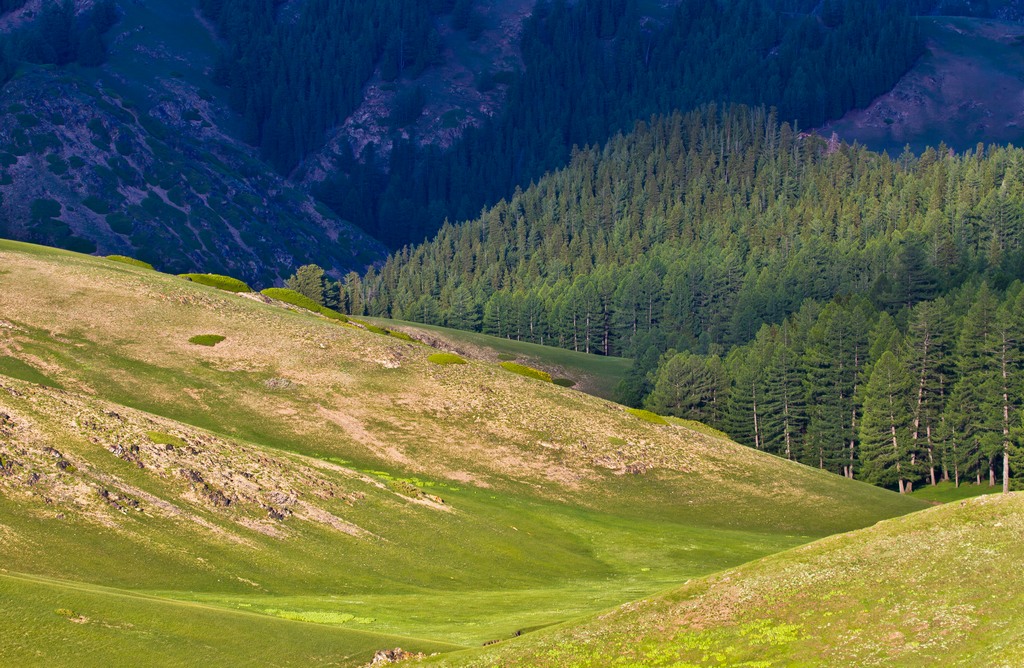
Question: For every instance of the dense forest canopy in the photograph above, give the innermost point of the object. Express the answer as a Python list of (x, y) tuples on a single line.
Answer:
[(701, 235)]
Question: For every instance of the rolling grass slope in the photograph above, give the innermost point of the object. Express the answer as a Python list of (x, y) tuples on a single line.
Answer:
[(326, 480), (594, 374), (939, 587)]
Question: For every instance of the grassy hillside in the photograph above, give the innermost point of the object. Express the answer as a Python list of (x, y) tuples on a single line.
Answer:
[(594, 374), (905, 592), (323, 476)]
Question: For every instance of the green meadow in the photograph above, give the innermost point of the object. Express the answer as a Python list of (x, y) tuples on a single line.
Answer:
[(309, 490)]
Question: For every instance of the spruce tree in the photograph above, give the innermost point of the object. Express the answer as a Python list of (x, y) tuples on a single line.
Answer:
[(308, 280), (886, 452)]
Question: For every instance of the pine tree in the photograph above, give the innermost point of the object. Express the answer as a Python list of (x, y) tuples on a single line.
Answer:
[(691, 387), (308, 280), (928, 351), (1005, 343), (886, 454), (974, 407)]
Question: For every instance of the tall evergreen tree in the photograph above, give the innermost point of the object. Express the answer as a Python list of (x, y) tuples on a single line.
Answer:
[(887, 455)]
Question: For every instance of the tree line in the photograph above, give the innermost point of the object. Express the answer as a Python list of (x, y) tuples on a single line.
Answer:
[(695, 232), (933, 392)]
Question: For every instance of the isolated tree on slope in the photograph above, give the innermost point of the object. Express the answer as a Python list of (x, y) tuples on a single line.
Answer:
[(308, 281)]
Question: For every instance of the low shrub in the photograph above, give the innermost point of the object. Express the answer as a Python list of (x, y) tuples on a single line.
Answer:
[(160, 438), (402, 336), (96, 205), (225, 283), (406, 488), (564, 382), (446, 358), (647, 416), (302, 301), (506, 357), (375, 329), (527, 371), (130, 260), (206, 339)]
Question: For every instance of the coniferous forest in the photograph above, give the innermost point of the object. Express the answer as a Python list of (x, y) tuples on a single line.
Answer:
[(814, 299)]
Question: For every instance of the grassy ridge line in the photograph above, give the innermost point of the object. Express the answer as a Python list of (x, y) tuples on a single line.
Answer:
[(111, 627), (123, 593), (594, 374)]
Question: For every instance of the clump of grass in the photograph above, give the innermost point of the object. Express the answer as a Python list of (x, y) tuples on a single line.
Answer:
[(160, 438), (564, 382), (225, 283), (446, 358), (527, 371), (130, 260), (506, 357), (302, 301), (647, 416), (375, 329), (65, 612), (206, 339)]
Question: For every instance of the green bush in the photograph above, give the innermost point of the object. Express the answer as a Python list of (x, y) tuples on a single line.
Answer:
[(375, 329), (120, 223), (506, 357), (130, 260), (45, 208), (647, 416), (527, 371), (446, 358), (302, 301), (402, 336), (160, 438), (96, 205), (406, 488), (564, 382), (206, 339), (217, 281)]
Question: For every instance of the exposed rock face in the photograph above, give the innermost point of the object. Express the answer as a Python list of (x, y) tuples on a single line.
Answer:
[(207, 477), (387, 656)]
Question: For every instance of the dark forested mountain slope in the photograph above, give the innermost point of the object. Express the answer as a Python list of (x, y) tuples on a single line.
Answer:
[(396, 115), (113, 140), (594, 67)]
